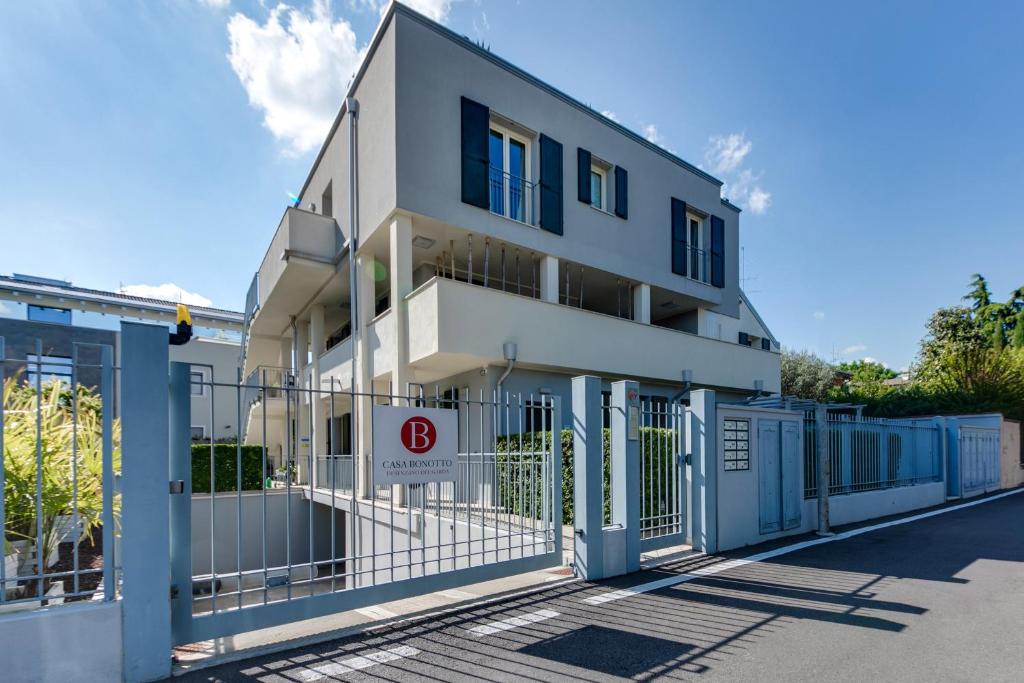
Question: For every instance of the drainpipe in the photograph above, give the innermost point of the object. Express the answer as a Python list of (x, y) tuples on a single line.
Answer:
[(687, 381), (509, 350), (351, 107)]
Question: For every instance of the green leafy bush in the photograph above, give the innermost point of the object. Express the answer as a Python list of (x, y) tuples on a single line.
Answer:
[(226, 467), (515, 470)]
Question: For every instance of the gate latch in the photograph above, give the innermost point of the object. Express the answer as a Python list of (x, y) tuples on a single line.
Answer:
[(177, 487)]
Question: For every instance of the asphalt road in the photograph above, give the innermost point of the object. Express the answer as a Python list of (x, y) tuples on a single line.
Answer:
[(936, 599)]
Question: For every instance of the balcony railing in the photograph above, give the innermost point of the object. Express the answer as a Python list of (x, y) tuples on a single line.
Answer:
[(698, 264), (513, 197)]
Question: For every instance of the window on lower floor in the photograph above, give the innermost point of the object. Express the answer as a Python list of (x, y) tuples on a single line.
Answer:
[(46, 369), (198, 432), (198, 388)]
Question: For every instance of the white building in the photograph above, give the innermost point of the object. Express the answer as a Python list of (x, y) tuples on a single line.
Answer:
[(505, 233)]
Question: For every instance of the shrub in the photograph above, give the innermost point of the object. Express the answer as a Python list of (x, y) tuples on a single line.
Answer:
[(225, 467)]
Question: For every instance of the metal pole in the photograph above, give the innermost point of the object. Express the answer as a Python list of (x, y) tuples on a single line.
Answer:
[(824, 466)]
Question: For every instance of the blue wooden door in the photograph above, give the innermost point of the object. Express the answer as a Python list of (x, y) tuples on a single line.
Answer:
[(769, 476), (791, 483)]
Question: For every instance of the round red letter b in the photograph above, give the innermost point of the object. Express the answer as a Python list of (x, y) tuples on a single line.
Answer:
[(418, 435)]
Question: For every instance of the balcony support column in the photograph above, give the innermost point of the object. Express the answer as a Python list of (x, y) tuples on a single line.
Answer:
[(642, 303), (318, 433), (549, 279), (302, 446), (401, 287)]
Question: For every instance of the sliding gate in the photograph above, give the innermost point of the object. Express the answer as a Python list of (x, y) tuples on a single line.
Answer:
[(288, 522)]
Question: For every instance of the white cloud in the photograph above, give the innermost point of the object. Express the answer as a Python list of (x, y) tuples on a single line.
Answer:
[(870, 359), (724, 156), (819, 315), (608, 114), (854, 348), (215, 4), (295, 68), (435, 9), (650, 131), (725, 153), (166, 292)]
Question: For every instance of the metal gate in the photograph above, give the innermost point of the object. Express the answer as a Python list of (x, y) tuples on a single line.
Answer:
[(287, 523), (663, 477), (979, 452)]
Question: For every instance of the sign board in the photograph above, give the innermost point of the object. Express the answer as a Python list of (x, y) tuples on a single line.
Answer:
[(414, 445), (633, 420)]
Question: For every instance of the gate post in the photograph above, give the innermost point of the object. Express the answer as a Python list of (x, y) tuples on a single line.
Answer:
[(588, 461), (145, 517), (821, 446), (625, 466), (704, 469), (181, 503)]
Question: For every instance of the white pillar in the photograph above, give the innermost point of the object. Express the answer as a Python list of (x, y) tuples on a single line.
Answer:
[(302, 434), (401, 287), (549, 279), (642, 303), (318, 430)]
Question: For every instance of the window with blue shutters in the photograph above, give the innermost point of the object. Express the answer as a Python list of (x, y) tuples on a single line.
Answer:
[(621, 193), (717, 252), (550, 185), (475, 153)]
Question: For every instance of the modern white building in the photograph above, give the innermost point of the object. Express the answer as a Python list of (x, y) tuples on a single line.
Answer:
[(500, 235)]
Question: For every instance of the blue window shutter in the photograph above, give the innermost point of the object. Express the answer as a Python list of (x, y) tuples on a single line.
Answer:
[(766, 344), (550, 185), (476, 123), (744, 339), (583, 175), (621, 192), (678, 236), (717, 252)]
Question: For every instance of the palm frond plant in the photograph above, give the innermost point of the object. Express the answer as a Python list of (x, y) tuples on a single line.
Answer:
[(43, 436)]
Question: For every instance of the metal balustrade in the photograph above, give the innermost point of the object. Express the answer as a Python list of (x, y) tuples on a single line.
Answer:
[(513, 197), (59, 457)]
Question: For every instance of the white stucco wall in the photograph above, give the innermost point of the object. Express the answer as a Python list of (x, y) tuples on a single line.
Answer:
[(68, 643), (857, 507), (739, 493)]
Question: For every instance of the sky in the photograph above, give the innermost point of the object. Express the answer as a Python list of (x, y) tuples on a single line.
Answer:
[(875, 147)]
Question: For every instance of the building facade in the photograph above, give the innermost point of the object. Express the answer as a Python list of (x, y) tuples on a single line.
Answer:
[(501, 237)]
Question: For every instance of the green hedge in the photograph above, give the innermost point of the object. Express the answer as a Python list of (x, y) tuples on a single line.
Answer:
[(656, 441), (226, 467)]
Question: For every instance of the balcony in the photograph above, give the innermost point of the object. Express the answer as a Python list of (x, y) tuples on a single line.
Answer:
[(455, 326), (300, 259)]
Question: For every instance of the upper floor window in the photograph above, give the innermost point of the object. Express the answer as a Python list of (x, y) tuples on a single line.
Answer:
[(598, 182), (697, 255), (48, 314), (509, 174)]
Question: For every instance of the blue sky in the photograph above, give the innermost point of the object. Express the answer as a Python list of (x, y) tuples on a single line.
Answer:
[(877, 147)]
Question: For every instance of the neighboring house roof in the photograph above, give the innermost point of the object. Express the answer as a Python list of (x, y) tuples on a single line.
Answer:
[(468, 44), (753, 312), (56, 293)]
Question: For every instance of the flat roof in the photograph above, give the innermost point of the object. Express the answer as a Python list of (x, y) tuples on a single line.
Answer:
[(58, 294)]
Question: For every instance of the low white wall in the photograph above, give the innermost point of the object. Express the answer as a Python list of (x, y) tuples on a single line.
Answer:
[(857, 507), (66, 643)]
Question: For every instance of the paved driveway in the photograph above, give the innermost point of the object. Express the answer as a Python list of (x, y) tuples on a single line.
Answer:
[(936, 599)]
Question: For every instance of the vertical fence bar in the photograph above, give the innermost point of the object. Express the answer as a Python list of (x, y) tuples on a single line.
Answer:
[(41, 550), (3, 483), (180, 466), (821, 448)]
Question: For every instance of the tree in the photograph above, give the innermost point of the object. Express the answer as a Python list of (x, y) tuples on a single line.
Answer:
[(949, 330), (805, 375), (867, 371), (979, 294)]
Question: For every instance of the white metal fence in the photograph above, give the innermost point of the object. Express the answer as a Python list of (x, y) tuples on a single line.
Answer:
[(59, 456), (298, 519)]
